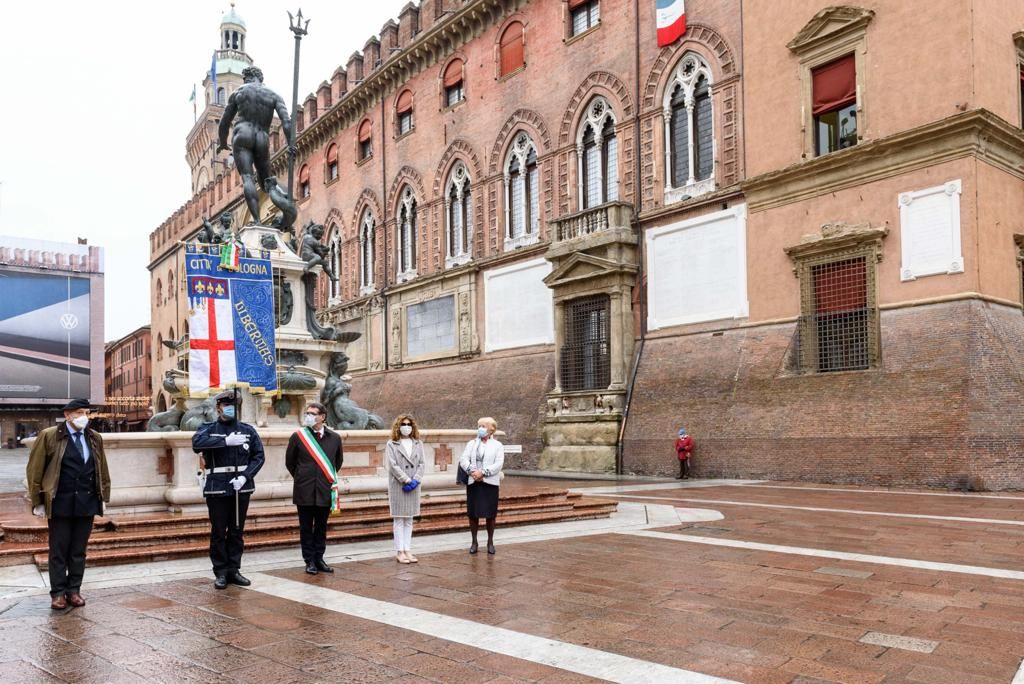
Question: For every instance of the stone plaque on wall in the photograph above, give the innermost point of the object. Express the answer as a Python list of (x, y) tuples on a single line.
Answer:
[(519, 310), (430, 327), (930, 231), (698, 269)]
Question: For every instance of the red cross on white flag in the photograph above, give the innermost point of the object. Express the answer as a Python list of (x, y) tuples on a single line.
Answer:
[(211, 358)]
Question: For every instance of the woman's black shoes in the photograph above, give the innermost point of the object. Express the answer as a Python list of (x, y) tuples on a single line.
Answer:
[(490, 549), (472, 547)]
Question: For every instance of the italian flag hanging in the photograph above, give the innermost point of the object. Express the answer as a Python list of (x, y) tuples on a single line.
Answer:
[(320, 458), (229, 255), (671, 20)]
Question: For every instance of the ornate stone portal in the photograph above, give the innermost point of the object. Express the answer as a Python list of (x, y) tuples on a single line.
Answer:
[(594, 255)]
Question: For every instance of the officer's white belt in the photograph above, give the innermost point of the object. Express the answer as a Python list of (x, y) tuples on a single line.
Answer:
[(223, 469)]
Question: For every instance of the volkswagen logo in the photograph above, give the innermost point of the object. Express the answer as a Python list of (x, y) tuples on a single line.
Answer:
[(69, 321)]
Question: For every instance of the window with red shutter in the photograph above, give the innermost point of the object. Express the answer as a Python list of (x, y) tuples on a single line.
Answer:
[(304, 181), (332, 162), (511, 48), (834, 105), (453, 83), (365, 140), (403, 112)]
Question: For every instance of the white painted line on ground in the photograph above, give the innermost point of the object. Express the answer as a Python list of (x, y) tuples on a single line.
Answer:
[(899, 641), (844, 572), (908, 492), (1019, 677), (689, 484), (838, 555), (559, 654), (817, 509)]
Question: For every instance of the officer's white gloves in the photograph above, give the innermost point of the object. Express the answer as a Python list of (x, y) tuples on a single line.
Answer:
[(201, 478), (39, 511), (236, 439), (237, 482)]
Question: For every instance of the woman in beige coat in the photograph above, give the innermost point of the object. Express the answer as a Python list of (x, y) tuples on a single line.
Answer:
[(403, 458)]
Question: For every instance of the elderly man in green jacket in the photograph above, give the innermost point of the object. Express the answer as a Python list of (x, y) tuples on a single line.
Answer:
[(68, 483)]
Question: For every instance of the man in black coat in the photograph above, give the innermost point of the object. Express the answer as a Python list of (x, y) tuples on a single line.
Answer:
[(232, 455), (311, 492)]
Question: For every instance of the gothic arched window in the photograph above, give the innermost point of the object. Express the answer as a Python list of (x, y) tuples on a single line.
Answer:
[(689, 130), (597, 151), (522, 193), (406, 236), (367, 229), (458, 209)]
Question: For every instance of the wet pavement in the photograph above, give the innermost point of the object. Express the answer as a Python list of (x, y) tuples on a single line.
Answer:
[(689, 582)]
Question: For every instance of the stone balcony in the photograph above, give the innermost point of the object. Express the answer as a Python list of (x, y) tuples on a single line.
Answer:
[(603, 224)]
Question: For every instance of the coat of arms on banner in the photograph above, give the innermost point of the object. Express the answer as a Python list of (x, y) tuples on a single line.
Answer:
[(231, 321)]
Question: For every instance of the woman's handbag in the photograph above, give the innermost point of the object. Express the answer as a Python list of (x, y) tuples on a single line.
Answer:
[(462, 477)]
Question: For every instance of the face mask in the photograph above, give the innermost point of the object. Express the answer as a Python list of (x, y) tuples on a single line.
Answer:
[(80, 422), (229, 412), (406, 430), (308, 420), (481, 432)]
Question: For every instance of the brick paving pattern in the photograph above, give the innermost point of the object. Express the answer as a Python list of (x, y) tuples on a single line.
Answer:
[(741, 614)]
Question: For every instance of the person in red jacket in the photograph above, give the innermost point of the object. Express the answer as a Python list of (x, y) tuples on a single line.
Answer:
[(684, 446)]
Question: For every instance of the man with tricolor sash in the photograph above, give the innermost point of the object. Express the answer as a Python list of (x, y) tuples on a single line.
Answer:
[(314, 457), (232, 454)]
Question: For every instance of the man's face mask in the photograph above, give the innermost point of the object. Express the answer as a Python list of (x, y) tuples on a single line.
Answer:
[(228, 411)]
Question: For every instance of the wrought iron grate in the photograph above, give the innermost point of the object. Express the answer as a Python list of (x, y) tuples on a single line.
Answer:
[(585, 362), (841, 318)]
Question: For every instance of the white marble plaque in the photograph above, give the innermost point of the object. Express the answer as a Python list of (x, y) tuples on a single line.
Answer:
[(697, 269), (430, 327), (518, 307), (930, 231)]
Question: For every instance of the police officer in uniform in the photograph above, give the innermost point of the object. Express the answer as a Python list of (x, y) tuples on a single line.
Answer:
[(232, 455)]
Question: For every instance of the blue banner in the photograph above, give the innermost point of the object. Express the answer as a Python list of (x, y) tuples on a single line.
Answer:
[(231, 321)]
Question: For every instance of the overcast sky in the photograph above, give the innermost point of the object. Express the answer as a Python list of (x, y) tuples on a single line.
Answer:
[(95, 111)]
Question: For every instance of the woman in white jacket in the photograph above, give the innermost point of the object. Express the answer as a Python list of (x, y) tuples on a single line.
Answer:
[(483, 459)]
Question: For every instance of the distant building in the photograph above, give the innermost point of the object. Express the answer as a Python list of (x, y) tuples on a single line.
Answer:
[(128, 379), (51, 332)]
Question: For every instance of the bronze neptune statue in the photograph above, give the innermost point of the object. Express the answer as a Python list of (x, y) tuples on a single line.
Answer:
[(252, 108)]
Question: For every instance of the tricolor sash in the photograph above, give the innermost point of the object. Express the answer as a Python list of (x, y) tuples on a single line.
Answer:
[(320, 458)]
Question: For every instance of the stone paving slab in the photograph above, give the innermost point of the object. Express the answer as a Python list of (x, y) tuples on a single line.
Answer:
[(751, 615)]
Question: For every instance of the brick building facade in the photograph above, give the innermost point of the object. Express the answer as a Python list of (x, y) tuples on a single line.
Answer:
[(129, 381), (793, 231)]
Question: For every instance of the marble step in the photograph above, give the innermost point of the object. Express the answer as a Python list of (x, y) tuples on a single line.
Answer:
[(29, 529), (280, 539)]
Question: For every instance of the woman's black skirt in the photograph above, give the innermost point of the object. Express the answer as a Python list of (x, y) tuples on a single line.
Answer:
[(482, 500)]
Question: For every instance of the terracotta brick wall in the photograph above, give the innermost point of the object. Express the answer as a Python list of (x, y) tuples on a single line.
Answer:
[(944, 410), (510, 388)]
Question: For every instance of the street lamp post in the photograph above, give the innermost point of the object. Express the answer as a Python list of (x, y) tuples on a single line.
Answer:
[(299, 29)]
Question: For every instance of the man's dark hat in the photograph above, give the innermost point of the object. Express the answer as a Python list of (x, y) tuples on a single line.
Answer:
[(76, 404), (227, 395)]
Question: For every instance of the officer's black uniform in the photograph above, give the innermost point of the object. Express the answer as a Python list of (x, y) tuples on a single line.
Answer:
[(222, 464)]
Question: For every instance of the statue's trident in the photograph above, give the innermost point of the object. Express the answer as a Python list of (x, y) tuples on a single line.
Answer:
[(295, 23)]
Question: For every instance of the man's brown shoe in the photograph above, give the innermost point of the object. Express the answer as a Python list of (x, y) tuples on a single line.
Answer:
[(76, 600), (58, 603)]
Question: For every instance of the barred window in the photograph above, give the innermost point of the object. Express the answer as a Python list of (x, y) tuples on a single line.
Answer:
[(837, 331), (586, 348)]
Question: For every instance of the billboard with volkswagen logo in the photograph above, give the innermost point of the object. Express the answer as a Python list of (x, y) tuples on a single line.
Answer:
[(51, 331)]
